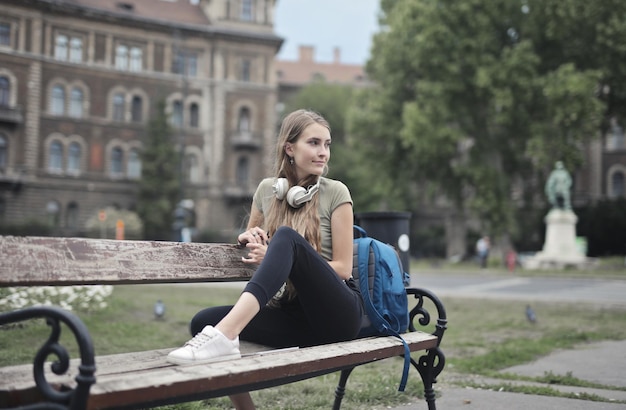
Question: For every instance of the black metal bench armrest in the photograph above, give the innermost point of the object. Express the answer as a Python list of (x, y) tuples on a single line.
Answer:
[(423, 315), (67, 398)]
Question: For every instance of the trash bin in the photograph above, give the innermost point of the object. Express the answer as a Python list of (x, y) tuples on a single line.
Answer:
[(391, 228)]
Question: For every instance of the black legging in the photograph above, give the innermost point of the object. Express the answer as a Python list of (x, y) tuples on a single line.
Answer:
[(325, 310)]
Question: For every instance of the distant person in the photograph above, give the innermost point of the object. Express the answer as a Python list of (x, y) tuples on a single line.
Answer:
[(482, 250)]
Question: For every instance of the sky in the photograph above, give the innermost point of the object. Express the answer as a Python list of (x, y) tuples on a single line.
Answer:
[(326, 24)]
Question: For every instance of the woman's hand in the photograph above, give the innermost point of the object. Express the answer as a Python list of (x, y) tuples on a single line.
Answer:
[(256, 253), (256, 240), (253, 235)]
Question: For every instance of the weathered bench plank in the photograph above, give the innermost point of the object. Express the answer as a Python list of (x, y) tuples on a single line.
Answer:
[(29, 261), (142, 379)]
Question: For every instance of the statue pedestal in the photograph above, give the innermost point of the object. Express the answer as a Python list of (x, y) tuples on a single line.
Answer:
[(559, 248)]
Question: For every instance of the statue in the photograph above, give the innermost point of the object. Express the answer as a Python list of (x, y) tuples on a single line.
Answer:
[(557, 187)]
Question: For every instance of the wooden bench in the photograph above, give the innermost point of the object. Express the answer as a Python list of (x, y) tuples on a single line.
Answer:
[(145, 379)]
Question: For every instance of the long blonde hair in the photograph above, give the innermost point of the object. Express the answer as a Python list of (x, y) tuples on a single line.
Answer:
[(304, 220)]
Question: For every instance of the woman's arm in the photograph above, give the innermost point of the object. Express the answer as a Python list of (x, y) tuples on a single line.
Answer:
[(341, 222)]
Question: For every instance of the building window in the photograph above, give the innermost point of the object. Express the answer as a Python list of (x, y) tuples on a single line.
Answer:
[(117, 157), (246, 10), (53, 209), (245, 70), (118, 107), (243, 124), (128, 58), (55, 158), (243, 172), (121, 57), (71, 215), (192, 169), (136, 59), (5, 91), (76, 103), (4, 152), (177, 113), (136, 109), (194, 115), (73, 158), (60, 47), (618, 187), (5, 34), (185, 62), (68, 48), (76, 50), (57, 103), (134, 164)]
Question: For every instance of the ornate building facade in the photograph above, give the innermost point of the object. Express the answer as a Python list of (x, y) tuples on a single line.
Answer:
[(80, 80)]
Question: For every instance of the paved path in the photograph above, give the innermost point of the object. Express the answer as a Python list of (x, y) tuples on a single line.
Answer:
[(603, 363), (503, 285)]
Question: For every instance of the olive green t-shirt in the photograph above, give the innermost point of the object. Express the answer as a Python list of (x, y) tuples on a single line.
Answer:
[(332, 194)]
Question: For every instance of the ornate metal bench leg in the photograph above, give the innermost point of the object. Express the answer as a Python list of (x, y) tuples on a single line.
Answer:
[(431, 364), (77, 397), (341, 387)]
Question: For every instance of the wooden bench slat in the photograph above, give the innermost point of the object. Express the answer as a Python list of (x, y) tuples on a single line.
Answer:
[(142, 378), (28, 261)]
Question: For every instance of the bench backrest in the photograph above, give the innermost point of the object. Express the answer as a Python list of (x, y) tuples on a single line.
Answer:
[(28, 261)]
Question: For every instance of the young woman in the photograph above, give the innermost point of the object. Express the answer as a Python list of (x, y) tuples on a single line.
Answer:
[(300, 235)]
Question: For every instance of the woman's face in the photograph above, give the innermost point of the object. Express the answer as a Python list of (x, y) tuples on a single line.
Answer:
[(311, 151)]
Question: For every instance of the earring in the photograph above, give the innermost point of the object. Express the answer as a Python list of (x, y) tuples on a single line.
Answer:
[(291, 160)]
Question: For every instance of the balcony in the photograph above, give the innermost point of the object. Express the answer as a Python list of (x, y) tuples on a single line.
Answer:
[(11, 115), (245, 140)]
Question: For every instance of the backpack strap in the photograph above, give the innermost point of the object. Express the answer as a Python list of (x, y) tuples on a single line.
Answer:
[(379, 322)]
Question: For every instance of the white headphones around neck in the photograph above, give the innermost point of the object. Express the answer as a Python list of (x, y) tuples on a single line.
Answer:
[(296, 195)]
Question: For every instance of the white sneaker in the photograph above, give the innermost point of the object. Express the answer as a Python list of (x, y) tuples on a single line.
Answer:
[(210, 345)]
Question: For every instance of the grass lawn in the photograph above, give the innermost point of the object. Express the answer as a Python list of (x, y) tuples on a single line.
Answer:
[(483, 337)]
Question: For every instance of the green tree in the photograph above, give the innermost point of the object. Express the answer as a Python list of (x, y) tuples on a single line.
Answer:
[(478, 97), (159, 187)]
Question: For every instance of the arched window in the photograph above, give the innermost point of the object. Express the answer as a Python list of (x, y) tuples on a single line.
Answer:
[(243, 124), (194, 115), (117, 157), (5, 91), (121, 57), (618, 187), (177, 113), (134, 164), (57, 103), (192, 169), (55, 158), (60, 47), (76, 103), (118, 107), (53, 209), (76, 50), (73, 158), (71, 215), (136, 59), (243, 172), (136, 109), (4, 151)]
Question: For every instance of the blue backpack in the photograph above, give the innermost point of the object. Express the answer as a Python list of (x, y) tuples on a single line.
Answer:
[(378, 270)]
